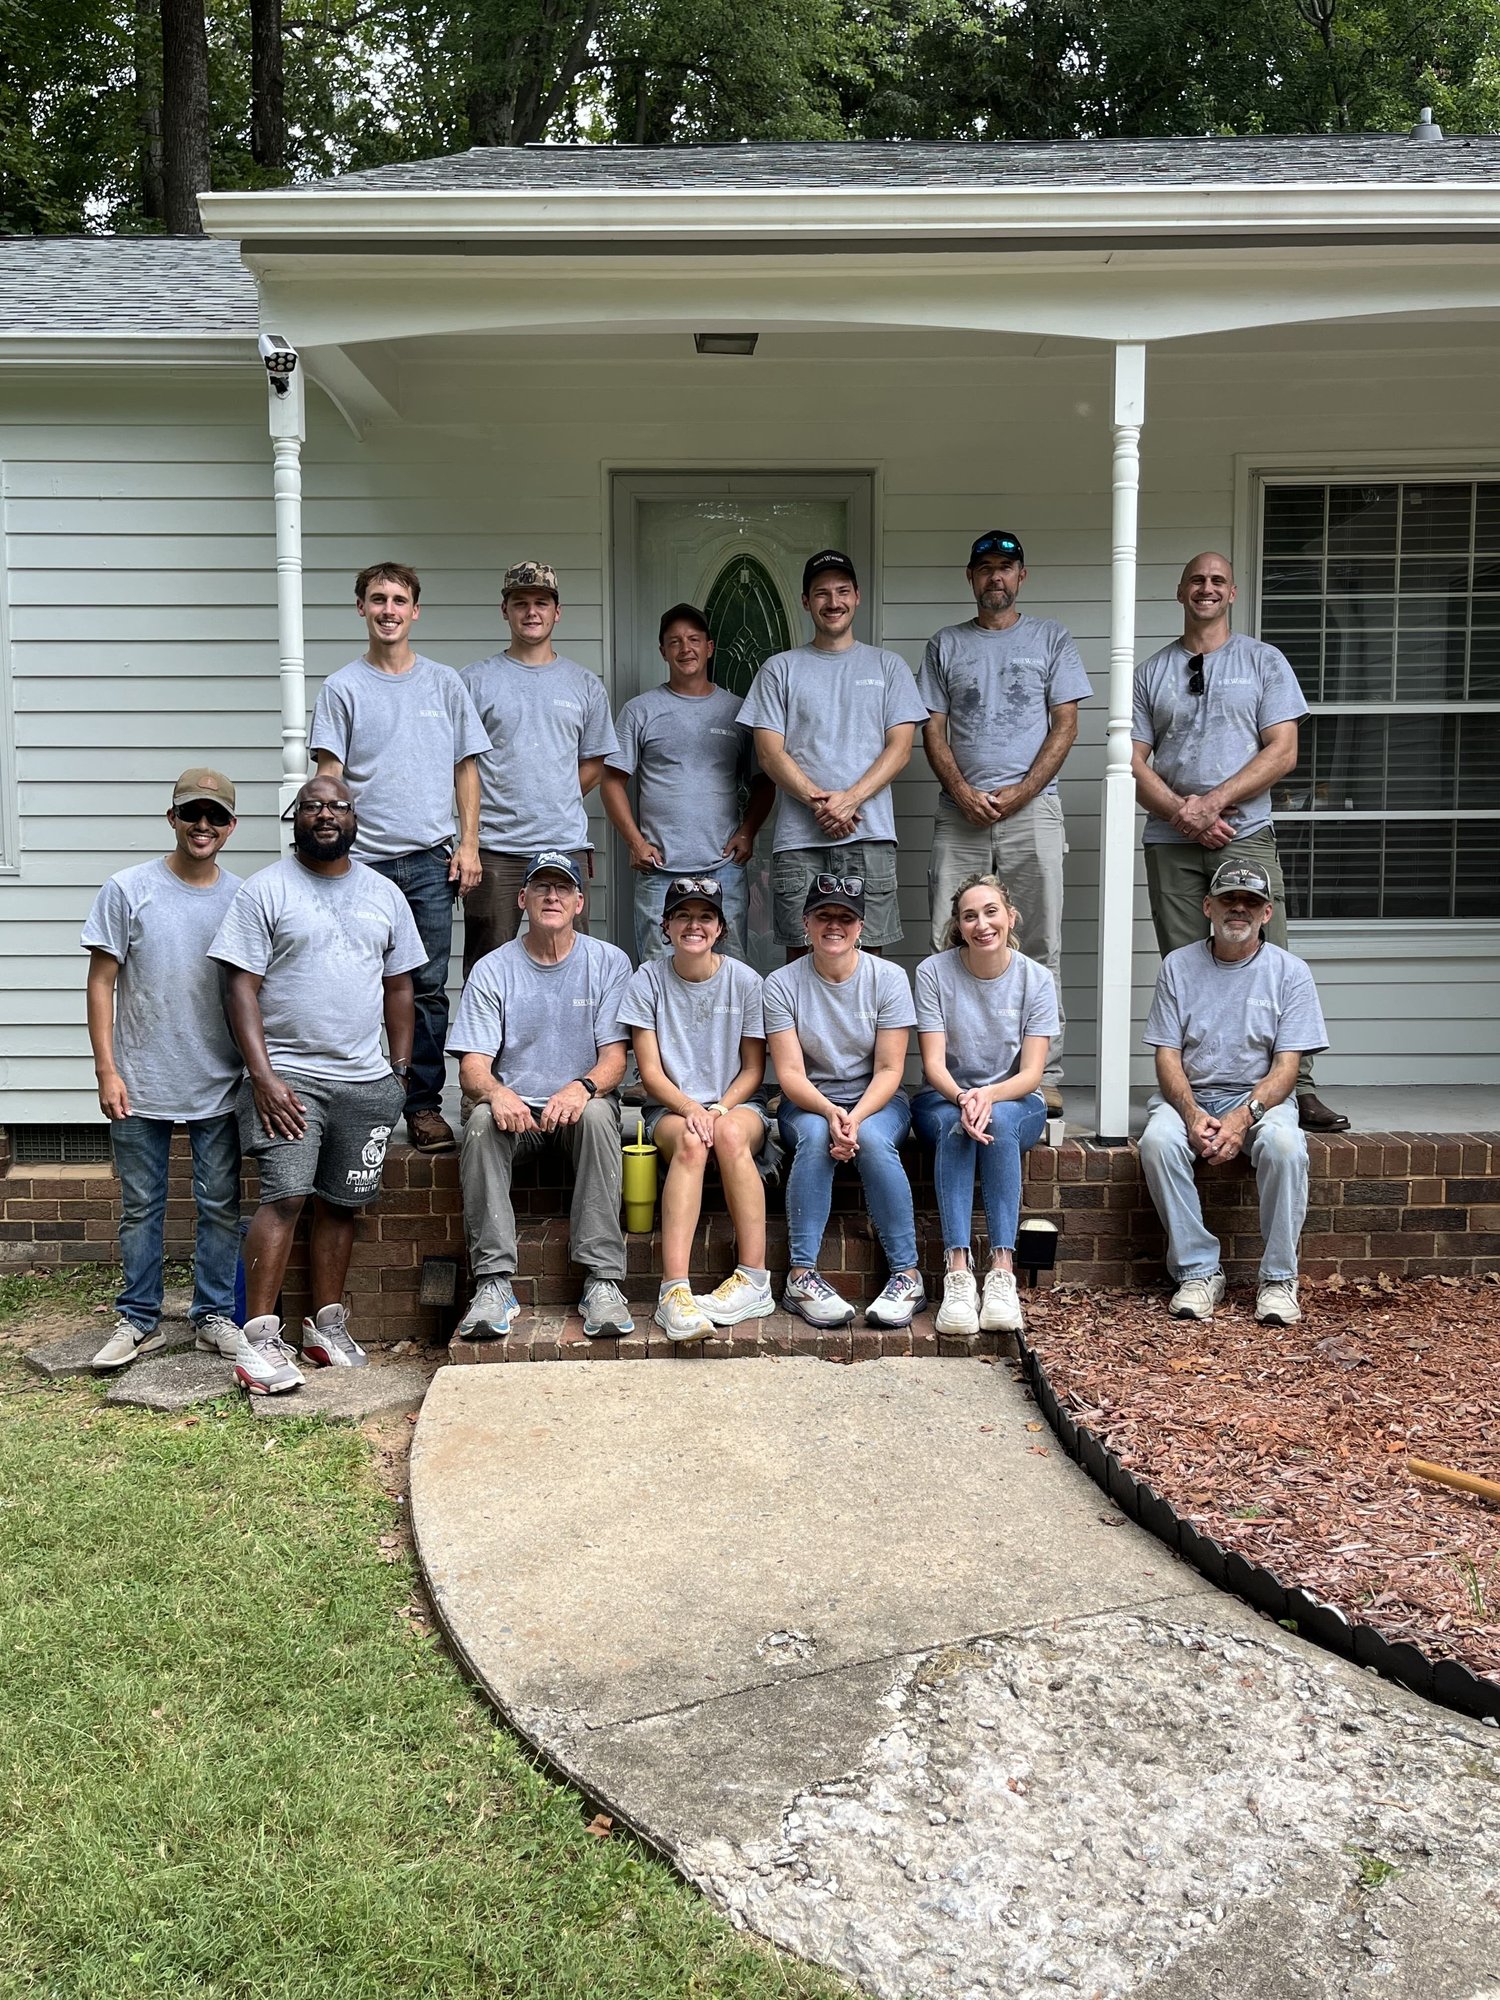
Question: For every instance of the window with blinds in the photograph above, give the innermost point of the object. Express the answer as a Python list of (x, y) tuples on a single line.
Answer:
[(1385, 597)]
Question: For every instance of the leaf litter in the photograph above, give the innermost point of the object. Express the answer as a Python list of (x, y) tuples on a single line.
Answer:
[(1289, 1445)]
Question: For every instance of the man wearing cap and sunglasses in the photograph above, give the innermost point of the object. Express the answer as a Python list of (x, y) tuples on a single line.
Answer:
[(1002, 693), (1214, 727), (834, 723), (550, 732), (164, 1056), (1231, 1018), (541, 1055)]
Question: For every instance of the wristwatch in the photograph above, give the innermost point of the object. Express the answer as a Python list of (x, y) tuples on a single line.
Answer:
[(401, 1069), (589, 1085), (1256, 1109)]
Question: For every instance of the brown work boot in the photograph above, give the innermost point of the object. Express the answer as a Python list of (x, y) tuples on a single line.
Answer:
[(430, 1132), (1313, 1115), (1052, 1099)]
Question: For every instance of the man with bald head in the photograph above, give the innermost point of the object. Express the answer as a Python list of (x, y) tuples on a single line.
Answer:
[(1214, 727)]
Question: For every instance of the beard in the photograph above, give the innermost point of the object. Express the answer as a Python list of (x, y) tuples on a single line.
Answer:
[(307, 844)]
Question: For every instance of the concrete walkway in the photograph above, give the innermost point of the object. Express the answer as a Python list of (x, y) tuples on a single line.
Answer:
[(876, 1666)]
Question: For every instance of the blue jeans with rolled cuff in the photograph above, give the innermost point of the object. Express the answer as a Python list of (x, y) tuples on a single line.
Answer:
[(422, 879), (1015, 1127), (809, 1186), (142, 1147)]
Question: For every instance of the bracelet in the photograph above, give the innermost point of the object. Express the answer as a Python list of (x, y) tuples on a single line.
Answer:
[(722, 1109)]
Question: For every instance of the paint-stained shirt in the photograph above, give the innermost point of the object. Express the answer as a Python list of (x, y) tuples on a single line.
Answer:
[(998, 690), (542, 722), (541, 1025)]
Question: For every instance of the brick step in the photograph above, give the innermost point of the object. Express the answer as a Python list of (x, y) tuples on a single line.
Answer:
[(544, 1337)]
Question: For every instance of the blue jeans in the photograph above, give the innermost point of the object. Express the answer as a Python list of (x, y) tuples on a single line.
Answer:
[(1015, 1127), (422, 879), (1278, 1153), (809, 1186), (651, 894), (141, 1147)]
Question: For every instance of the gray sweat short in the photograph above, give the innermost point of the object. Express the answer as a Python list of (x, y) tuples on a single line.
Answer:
[(341, 1153)]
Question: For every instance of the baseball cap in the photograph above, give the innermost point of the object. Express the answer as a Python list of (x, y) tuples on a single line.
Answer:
[(693, 889), (201, 783), (553, 861), (529, 576), (827, 559), (836, 892), (1241, 875), (681, 614), (997, 542)]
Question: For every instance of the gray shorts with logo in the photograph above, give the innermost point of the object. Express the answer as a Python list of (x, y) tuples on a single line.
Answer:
[(341, 1153)]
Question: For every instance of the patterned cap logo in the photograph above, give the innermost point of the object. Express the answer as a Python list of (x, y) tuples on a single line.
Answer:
[(529, 576)]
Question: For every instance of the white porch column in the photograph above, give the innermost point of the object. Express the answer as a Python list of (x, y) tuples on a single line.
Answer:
[(288, 427), (1117, 815)]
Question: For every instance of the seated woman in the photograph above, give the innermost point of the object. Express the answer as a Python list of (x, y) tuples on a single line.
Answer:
[(838, 1023), (985, 1014), (700, 1048)]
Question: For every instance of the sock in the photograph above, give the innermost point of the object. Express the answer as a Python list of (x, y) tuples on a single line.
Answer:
[(669, 1284), (760, 1279)]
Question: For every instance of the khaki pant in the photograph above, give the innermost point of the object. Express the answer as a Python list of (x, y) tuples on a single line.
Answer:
[(1177, 876), (486, 1161), (492, 910)]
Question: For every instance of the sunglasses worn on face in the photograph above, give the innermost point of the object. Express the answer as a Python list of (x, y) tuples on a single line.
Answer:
[(840, 885), (196, 813), (1195, 674)]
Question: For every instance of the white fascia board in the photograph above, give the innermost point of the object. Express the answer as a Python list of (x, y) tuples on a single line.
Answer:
[(556, 215), (72, 347)]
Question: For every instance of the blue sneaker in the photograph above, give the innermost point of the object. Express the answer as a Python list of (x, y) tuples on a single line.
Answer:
[(492, 1313), (605, 1310)]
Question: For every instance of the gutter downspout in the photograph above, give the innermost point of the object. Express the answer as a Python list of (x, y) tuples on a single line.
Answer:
[(287, 421), (1117, 807)]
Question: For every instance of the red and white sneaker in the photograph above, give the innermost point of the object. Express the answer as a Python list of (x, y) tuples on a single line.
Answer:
[(328, 1343)]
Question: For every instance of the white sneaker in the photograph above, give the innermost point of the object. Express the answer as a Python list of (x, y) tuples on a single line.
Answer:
[(737, 1299), (898, 1302), (1276, 1303), (328, 1343), (678, 1315), (126, 1344), (1001, 1311), (217, 1334), (812, 1298), (1195, 1298), (263, 1362), (959, 1312)]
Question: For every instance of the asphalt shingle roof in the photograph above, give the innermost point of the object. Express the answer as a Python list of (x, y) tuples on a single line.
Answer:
[(124, 284), (1123, 163)]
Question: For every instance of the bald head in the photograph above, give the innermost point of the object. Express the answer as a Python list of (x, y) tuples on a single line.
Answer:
[(1209, 563), (1205, 594)]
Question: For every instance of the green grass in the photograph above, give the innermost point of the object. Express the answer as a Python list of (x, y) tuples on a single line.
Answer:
[(228, 1766)]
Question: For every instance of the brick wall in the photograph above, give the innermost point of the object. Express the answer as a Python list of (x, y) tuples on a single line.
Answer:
[(1406, 1203)]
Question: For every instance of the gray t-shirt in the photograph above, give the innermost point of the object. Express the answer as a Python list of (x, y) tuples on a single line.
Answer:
[(985, 1020), (835, 1024), (1229, 1020), (398, 737), (698, 1024), (542, 1024), (690, 760), (172, 1043), (997, 690), (1199, 740), (832, 710), (323, 945), (541, 722)]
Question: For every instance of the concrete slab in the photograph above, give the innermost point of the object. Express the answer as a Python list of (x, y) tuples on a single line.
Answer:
[(74, 1353), (172, 1381), (855, 1648), (346, 1395)]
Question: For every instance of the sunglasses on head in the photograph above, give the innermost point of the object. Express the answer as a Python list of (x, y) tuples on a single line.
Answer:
[(695, 885), (839, 885), (1195, 674), (198, 810)]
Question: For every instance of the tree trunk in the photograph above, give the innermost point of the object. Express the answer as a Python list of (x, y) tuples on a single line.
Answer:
[(267, 85), (147, 62), (185, 114)]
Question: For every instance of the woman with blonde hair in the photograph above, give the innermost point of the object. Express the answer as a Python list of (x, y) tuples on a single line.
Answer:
[(985, 1015)]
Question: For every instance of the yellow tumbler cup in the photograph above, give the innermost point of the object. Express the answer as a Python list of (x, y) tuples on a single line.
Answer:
[(640, 1182)]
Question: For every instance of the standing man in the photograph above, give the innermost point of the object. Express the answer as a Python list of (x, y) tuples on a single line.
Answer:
[(547, 719), (834, 723), (1214, 727), (541, 1054), (1230, 1019), (319, 951), (403, 734), (691, 762), (164, 1056), (1002, 694)]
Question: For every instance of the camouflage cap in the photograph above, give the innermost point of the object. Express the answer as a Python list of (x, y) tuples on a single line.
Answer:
[(529, 576)]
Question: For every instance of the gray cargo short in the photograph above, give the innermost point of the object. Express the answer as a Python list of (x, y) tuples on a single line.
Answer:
[(341, 1153)]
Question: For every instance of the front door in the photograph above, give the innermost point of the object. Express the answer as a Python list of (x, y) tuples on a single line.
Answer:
[(733, 544)]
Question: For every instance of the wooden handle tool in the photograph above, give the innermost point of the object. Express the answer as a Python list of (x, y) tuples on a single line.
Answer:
[(1462, 1482)]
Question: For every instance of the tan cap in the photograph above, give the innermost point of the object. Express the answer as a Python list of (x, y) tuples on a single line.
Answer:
[(201, 783), (529, 576)]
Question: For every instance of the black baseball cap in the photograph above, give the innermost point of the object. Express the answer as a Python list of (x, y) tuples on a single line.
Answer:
[(827, 559), (836, 892), (997, 542), (693, 889), (681, 614)]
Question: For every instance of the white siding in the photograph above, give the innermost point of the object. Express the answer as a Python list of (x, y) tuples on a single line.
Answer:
[(141, 601)]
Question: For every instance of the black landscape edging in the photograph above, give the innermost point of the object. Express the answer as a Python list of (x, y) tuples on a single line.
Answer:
[(1443, 1681)]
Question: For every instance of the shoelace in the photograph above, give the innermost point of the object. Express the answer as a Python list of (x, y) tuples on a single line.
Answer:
[(904, 1286), (338, 1335), (274, 1347)]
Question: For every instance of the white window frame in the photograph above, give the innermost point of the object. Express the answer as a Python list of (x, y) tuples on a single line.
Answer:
[(10, 808), (1333, 937)]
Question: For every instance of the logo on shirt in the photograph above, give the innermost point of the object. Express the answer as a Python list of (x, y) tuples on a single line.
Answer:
[(560, 701), (877, 682), (721, 732), (434, 714)]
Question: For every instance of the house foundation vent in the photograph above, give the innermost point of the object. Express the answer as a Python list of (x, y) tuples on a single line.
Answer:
[(59, 1145)]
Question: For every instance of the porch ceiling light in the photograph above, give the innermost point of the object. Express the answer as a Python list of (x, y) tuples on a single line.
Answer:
[(725, 343)]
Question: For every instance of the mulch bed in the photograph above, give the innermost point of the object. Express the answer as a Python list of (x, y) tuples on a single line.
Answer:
[(1289, 1445)]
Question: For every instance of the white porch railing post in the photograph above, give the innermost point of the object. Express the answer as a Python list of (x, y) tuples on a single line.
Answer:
[(288, 427), (1117, 815)]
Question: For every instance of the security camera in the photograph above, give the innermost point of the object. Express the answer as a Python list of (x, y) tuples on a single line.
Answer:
[(280, 358)]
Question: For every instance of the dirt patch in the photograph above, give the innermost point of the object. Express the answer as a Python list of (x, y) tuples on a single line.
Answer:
[(1289, 1445)]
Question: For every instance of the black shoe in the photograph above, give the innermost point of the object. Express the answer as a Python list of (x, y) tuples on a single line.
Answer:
[(1313, 1115)]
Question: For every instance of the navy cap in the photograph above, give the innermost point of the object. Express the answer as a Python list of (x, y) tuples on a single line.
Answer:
[(554, 861), (997, 542), (827, 559)]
